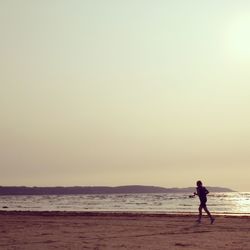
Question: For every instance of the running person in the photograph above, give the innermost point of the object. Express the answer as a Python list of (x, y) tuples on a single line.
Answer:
[(202, 193)]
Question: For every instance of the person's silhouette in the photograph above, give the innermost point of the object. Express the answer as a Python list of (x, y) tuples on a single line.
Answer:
[(202, 193)]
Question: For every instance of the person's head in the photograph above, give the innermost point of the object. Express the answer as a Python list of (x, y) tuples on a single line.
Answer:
[(199, 183)]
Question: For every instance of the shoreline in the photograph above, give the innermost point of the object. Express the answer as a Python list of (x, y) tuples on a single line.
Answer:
[(118, 213)]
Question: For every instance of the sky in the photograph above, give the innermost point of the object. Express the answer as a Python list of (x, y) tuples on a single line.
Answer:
[(125, 92)]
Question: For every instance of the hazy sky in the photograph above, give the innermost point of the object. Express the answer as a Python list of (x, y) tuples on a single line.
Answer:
[(115, 92)]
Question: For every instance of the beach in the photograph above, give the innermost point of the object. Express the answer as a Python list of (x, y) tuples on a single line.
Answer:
[(103, 230)]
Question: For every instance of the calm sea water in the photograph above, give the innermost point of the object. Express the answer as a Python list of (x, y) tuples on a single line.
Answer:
[(218, 203)]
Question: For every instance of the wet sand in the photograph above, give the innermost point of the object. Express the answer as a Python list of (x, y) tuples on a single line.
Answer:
[(71, 230)]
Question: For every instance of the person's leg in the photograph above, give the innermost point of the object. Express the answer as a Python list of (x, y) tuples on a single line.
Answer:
[(209, 214), (200, 213)]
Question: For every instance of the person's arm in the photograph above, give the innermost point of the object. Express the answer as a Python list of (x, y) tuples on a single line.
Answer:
[(206, 191), (196, 193)]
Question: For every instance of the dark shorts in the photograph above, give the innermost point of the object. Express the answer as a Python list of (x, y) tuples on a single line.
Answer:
[(203, 203)]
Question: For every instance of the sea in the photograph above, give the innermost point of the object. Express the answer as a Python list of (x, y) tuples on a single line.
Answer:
[(229, 203)]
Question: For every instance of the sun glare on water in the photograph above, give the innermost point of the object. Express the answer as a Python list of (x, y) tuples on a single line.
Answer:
[(242, 204)]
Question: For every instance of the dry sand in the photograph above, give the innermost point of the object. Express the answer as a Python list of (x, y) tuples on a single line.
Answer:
[(63, 230)]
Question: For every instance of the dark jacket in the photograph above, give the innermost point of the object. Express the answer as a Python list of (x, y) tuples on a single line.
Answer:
[(202, 193)]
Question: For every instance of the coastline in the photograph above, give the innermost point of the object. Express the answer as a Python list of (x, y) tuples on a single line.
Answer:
[(117, 213), (119, 230)]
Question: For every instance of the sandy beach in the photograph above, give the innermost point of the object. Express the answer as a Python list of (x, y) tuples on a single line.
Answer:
[(66, 230)]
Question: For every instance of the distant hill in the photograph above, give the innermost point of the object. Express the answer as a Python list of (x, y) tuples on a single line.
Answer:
[(21, 190)]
